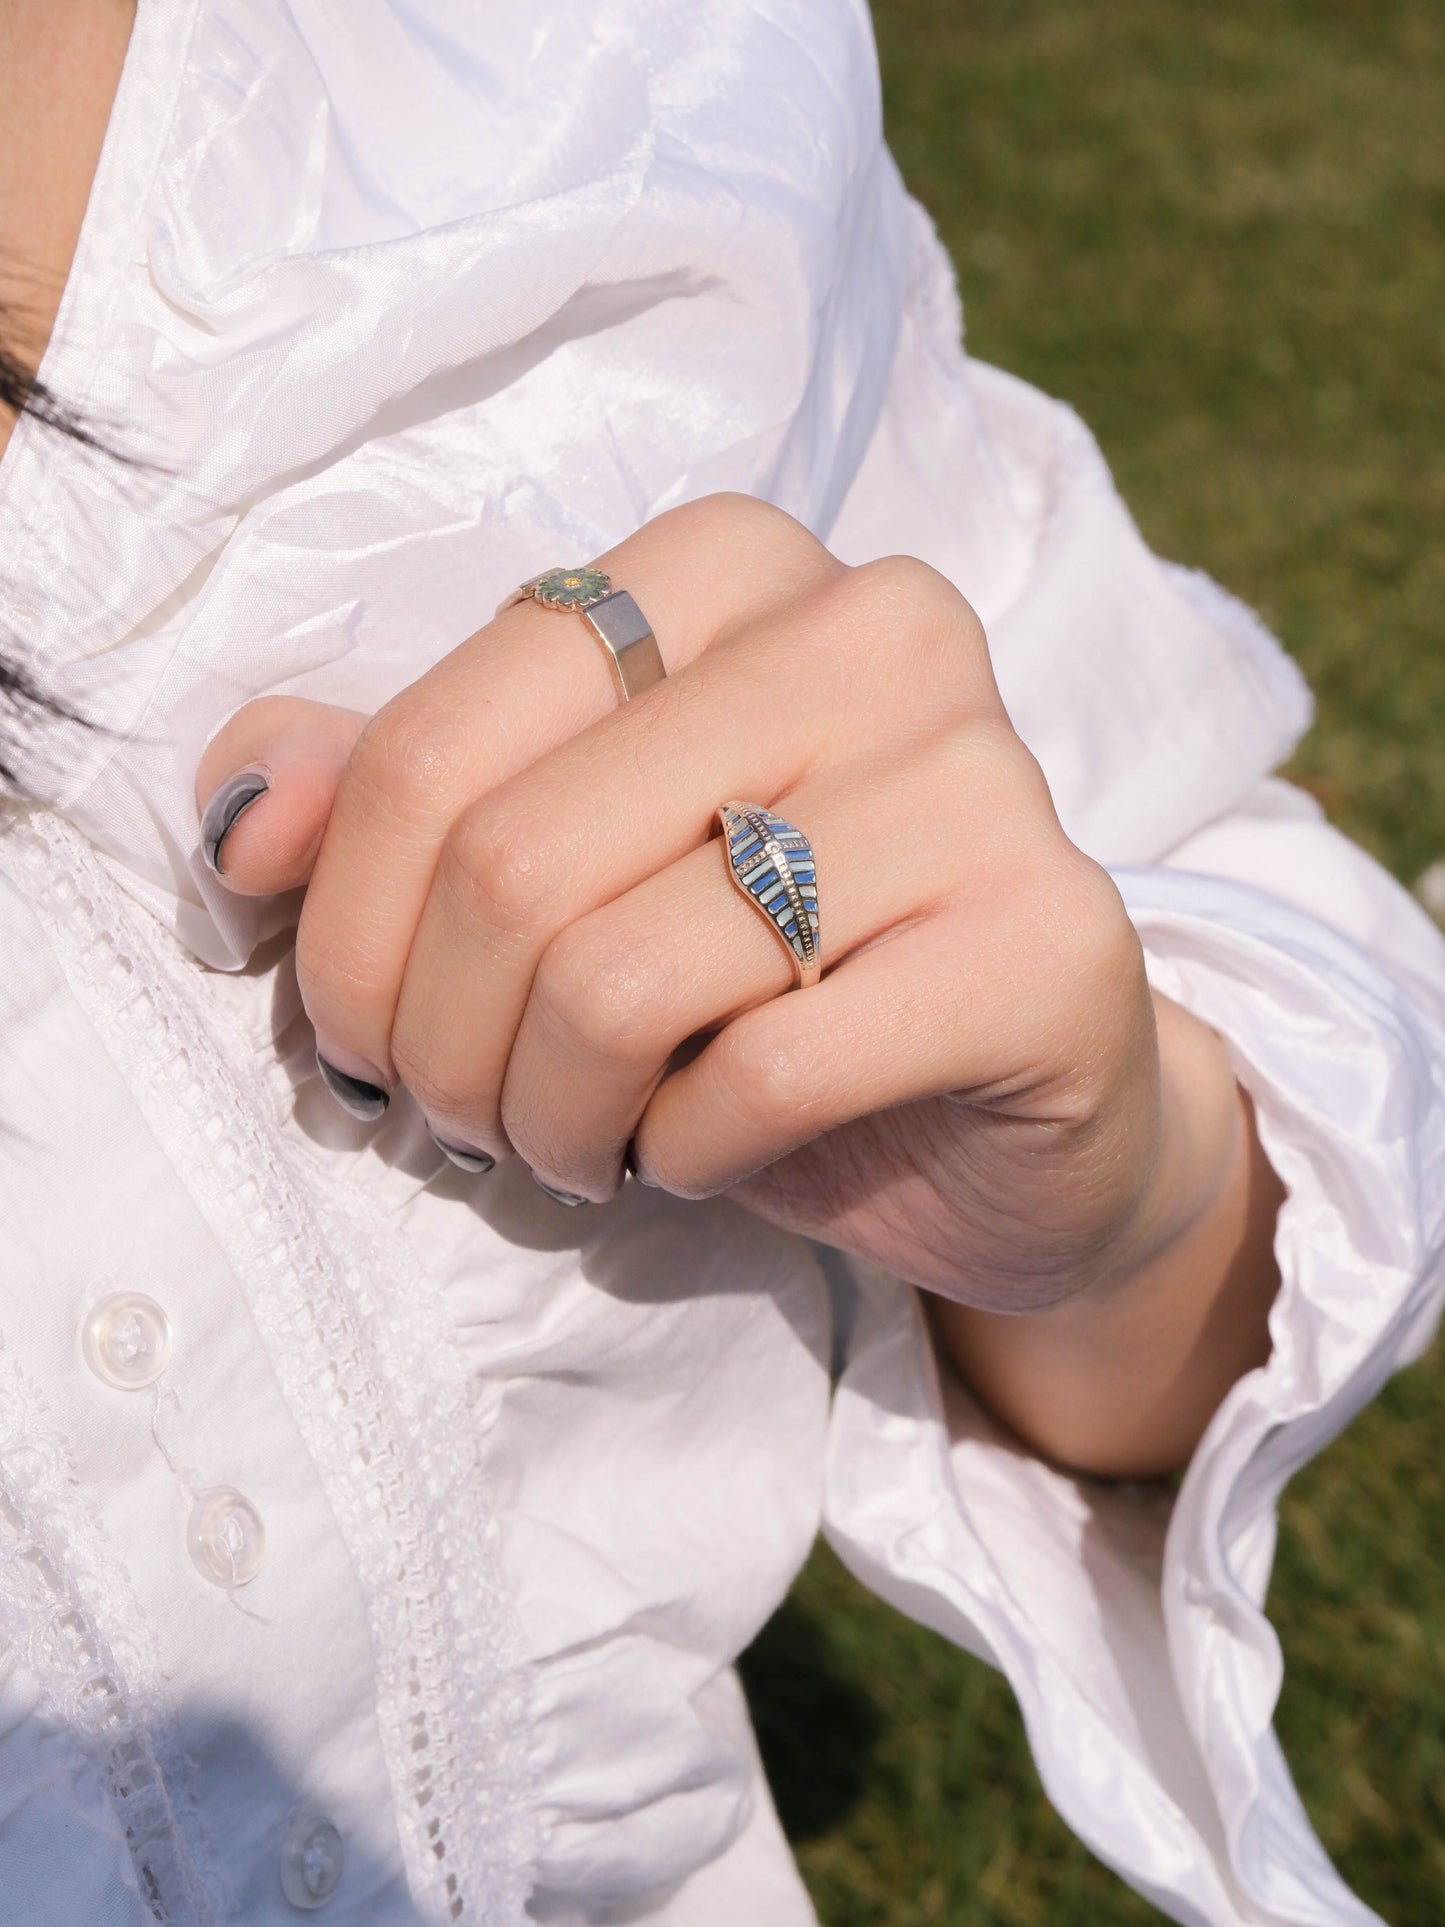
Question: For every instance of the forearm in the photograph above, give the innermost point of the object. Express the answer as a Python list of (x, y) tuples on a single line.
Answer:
[(1122, 1379)]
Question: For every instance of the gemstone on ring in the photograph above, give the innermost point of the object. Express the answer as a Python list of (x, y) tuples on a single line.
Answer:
[(771, 862), (571, 588)]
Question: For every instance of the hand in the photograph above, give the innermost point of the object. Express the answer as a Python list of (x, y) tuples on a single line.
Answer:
[(515, 909)]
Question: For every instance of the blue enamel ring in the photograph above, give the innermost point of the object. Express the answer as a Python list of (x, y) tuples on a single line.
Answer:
[(771, 862)]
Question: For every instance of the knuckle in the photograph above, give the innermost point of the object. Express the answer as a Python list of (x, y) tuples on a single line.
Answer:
[(1094, 913), (315, 969), (1095, 962), (905, 615), (731, 517), (708, 535), (335, 991), (916, 595), (1010, 767), (999, 791), (503, 865), (408, 760), (440, 1096), (768, 1074), (602, 991)]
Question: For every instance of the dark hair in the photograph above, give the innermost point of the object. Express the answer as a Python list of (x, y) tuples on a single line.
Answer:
[(23, 393), (23, 698)]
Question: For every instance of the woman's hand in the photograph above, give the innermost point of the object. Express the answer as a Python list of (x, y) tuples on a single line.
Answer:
[(517, 909)]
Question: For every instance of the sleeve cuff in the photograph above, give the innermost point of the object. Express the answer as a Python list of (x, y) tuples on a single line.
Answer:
[(1130, 1623)]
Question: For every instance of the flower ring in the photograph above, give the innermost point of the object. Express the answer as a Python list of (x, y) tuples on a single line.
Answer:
[(612, 616)]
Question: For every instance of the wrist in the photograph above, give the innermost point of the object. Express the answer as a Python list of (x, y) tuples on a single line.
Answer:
[(1203, 1146), (1122, 1378)]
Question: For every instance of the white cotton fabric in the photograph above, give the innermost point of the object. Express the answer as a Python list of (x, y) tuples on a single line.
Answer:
[(396, 304)]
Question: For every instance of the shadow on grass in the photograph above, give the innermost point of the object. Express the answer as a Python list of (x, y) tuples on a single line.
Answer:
[(818, 1731)]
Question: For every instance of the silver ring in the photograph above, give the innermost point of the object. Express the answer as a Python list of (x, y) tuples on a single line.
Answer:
[(771, 862), (612, 616)]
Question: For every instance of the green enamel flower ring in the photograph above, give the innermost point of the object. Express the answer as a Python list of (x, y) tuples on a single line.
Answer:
[(571, 588), (612, 616)]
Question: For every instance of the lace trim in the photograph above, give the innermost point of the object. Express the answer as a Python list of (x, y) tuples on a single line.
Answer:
[(69, 1616), (367, 1362)]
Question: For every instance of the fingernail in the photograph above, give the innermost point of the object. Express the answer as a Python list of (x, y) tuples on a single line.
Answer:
[(235, 795), (462, 1155), (629, 1163), (562, 1197), (364, 1100)]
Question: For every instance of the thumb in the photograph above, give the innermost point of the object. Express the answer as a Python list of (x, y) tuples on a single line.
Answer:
[(265, 787)]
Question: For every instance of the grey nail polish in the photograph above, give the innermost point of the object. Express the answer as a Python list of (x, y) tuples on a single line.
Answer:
[(234, 796), (362, 1100), (562, 1197), (462, 1155), (629, 1164)]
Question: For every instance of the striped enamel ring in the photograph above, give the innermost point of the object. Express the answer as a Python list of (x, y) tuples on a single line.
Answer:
[(771, 862), (612, 616)]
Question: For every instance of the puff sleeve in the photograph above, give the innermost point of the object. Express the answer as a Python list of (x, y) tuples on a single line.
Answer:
[(1130, 1622)]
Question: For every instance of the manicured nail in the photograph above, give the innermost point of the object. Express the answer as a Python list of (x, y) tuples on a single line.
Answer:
[(629, 1164), (236, 794), (364, 1100), (462, 1155), (562, 1197)]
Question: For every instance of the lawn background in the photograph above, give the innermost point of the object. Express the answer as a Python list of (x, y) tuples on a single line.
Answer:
[(1217, 232)]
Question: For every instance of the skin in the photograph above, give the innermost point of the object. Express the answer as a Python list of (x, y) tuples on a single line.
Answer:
[(60, 61), (983, 1095)]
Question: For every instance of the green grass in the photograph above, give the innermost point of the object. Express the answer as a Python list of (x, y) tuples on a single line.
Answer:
[(1217, 231)]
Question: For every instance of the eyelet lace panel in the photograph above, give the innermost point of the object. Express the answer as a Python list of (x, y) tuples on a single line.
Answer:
[(358, 1339), (69, 1616)]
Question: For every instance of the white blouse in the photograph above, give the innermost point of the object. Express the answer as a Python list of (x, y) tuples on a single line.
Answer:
[(380, 1540)]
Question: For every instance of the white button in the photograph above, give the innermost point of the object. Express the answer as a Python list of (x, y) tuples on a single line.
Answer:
[(312, 1857), (226, 1538), (127, 1341)]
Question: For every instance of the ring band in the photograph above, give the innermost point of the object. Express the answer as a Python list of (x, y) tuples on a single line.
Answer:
[(771, 862), (613, 617)]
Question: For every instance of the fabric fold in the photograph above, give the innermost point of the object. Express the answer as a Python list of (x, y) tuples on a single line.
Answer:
[(401, 303), (1132, 1628)]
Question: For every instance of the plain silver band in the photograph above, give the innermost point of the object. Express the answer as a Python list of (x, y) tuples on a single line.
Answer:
[(622, 629)]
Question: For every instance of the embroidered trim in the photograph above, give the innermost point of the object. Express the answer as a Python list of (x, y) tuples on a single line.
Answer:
[(367, 1363), (69, 1616)]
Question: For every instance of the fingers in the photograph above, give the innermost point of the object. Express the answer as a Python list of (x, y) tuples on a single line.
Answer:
[(530, 681), (265, 789), (624, 801), (619, 991), (587, 824), (889, 1026), (937, 1009)]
